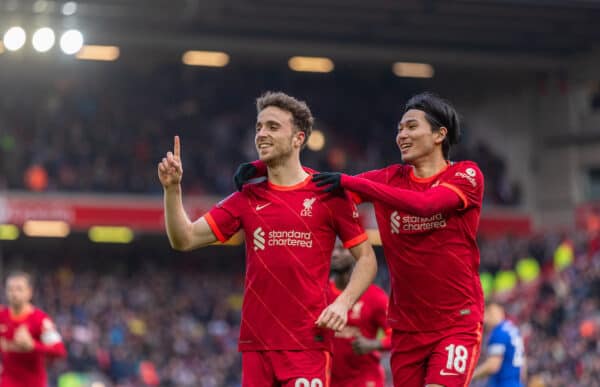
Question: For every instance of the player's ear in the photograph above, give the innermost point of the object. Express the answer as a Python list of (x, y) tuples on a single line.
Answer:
[(440, 135), (299, 138)]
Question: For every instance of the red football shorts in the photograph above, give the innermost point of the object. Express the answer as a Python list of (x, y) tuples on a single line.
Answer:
[(286, 368), (446, 358), (376, 378)]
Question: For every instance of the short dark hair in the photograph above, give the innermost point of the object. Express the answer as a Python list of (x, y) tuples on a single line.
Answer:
[(439, 113), (302, 118), (22, 274)]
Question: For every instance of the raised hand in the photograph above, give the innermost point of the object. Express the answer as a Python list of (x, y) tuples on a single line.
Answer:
[(170, 169)]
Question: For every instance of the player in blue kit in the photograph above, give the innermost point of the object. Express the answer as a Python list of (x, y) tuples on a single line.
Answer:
[(505, 361)]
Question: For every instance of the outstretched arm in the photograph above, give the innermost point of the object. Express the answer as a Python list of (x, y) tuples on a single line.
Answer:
[(437, 199)]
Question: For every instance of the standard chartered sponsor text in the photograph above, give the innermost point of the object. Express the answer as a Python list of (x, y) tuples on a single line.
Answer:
[(417, 223), (290, 238)]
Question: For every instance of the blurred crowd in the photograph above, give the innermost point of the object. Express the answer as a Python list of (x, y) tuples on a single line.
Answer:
[(107, 132), (175, 326)]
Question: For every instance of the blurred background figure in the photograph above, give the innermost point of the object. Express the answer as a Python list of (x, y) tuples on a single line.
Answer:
[(357, 348), (505, 364), (27, 336)]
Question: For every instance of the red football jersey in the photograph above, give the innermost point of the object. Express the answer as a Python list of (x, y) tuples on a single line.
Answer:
[(26, 369), (433, 261), (367, 316), (290, 234)]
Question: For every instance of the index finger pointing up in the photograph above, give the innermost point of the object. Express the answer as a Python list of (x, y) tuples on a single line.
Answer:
[(177, 148)]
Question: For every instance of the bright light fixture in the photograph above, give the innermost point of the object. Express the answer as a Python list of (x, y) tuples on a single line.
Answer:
[(43, 39), (205, 58), (71, 42), (316, 141), (311, 64), (102, 53), (69, 8), (46, 228), (110, 234), (14, 38), (413, 70)]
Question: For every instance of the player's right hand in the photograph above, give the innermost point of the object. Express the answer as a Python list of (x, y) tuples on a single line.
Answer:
[(170, 169)]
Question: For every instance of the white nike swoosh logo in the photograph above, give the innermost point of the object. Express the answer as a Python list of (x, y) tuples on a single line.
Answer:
[(261, 206), (444, 373)]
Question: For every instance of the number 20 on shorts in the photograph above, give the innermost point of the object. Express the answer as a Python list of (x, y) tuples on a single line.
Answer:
[(303, 382)]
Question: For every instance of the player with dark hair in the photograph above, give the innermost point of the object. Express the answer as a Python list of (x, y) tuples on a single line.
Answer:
[(27, 336), (427, 210), (290, 227), (505, 363), (357, 348)]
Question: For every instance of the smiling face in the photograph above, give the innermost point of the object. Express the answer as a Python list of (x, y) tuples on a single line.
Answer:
[(415, 138), (276, 137)]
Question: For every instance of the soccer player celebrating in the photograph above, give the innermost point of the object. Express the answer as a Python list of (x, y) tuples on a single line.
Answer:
[(505, 360), (27, 336), (427, 211), (290, 229), (356, 348)]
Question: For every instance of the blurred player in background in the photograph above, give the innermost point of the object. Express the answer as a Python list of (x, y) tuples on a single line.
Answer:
[(356, 348), (427, 211), (505, 356), (290, 227), (27, 336)]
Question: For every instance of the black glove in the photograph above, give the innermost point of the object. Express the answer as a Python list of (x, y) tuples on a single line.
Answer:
[(243, 173), (331, 179)]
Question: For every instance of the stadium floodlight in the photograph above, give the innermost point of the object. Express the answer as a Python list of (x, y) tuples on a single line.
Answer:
[(43, 39), (71, 42), (311, 64), (69, 8), (14, 38), (413, 70)]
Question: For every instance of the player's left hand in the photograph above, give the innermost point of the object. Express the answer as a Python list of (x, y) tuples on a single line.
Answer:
[(335, 316), (23, 339), (361, 345), (243, 173), (331, 179)]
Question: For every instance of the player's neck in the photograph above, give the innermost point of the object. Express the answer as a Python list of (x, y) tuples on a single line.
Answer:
[(21, 309), (429, 166), (287, 173)]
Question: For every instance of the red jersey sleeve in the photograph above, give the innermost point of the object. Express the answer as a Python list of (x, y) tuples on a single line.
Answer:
[(466, 181), (379, 175), (224, 218), (346, 221), (427, 203), (50, 342)]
